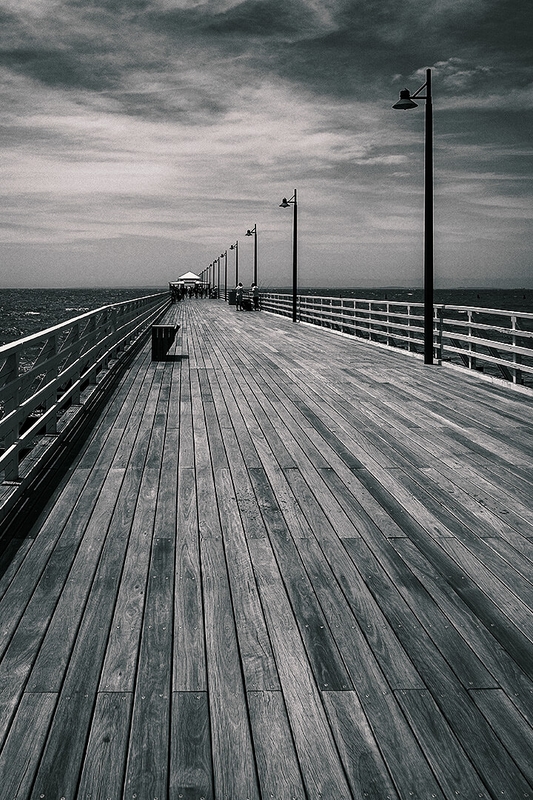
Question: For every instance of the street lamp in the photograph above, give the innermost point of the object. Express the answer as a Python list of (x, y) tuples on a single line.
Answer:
[(235, 247), (285, 204), (253, 232), (405, 103), (224, 255)]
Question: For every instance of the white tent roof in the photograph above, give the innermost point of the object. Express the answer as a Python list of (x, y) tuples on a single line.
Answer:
[(189, 276)]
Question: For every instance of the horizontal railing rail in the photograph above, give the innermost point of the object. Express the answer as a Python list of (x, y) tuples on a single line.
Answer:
[(496, 342), (48, 376)]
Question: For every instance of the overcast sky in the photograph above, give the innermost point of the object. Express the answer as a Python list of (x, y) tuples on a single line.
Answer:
[(141, 138)]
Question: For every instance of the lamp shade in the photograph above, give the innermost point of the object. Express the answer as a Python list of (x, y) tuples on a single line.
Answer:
[(405, 101)]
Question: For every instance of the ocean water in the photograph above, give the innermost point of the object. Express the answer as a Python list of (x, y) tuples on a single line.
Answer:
[(27, 311), (507, 299)]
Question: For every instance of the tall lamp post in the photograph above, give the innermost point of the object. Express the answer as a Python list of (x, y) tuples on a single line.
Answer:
[(285, 204), (253, 232), (405, 103), (218, 277), (235, 246), (224, 255)]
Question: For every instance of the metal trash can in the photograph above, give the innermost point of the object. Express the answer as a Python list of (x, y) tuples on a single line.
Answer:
[(162, 338), (232, 297)]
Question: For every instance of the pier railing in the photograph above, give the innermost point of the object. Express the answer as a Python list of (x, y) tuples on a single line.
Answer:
[(51, 378), (494, 342)]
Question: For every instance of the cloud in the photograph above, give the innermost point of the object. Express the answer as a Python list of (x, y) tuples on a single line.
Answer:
[(185, 121)]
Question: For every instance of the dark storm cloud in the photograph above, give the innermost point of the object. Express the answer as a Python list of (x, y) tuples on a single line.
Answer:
[(253, 18), (59, 67), (342, 49)]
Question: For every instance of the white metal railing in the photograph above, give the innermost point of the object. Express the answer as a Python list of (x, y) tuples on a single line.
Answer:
[(47, 374), (494, 341)]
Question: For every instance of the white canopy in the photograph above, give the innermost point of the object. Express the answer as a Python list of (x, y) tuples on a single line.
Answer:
[(188, 277)]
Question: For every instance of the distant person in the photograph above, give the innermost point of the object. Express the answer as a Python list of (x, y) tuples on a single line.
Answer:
[(255, 296), (239, 293)]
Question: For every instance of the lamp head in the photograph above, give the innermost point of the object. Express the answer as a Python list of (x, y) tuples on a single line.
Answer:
[(284, 203), (249, 233), (405, 101)]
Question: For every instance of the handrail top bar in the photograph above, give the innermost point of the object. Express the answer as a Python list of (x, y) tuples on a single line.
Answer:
[(483, 310), (443, 306), (5, 348)]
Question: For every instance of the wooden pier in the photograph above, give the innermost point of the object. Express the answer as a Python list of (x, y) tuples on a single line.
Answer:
[(285, 564)]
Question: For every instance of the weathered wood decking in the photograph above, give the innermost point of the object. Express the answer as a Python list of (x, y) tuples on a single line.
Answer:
[(287, 564)]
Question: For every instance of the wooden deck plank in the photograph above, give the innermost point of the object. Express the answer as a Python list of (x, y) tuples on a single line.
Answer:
[(509, 604), (232, 752), (24, 580), (512, 729), (304, 453), (147, 764), (190, 747), (456, 775), (319, 761), (120, 664), (105, 758), (20, 755), (54, 654), (70, 726), (189, 669), (258, 665), (359, 750), (284, 564), (277, 763), (419, 625), (493, 655), (325, 660)]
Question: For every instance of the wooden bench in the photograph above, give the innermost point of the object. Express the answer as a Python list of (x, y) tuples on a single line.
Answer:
[(162, 338)]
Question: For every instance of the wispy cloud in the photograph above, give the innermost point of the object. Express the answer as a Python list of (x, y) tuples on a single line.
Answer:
[(183, 122)]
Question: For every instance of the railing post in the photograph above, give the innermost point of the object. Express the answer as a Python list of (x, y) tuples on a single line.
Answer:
[(9, 374), (48, 352), (472, 363), (114, 326), (439, 313), (76, 351), (517, 357), (91, 328)]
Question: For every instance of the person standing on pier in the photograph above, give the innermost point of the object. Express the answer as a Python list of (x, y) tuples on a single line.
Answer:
[(255, 296), (238, 296)]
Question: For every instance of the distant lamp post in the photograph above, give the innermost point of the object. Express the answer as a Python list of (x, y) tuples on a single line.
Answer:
[(285, 204), (224, 255), (235, 246), (406, 102), (253, 232)]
